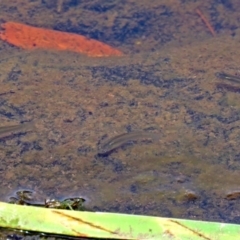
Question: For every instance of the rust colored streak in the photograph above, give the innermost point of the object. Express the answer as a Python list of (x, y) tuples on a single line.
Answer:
[(29, 37), (191, 230), (206, 22), (84, 222)]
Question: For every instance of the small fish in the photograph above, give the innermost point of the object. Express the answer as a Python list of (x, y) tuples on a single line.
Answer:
[(14, 128), (119, 140), (228, 77), (228, 87)]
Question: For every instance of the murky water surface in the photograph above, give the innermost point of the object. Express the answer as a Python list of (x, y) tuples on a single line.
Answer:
[(164, 83)]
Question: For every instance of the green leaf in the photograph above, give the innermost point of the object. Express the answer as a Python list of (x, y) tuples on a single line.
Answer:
[(111, 225)]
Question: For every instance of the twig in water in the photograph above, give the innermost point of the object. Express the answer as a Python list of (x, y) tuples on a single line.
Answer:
[(206, 22)]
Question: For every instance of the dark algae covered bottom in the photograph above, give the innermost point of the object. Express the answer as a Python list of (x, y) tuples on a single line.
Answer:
[(174, 78)]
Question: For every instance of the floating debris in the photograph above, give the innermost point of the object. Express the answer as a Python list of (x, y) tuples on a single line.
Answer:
[(28, 37), (68, 203), (25, 197)]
